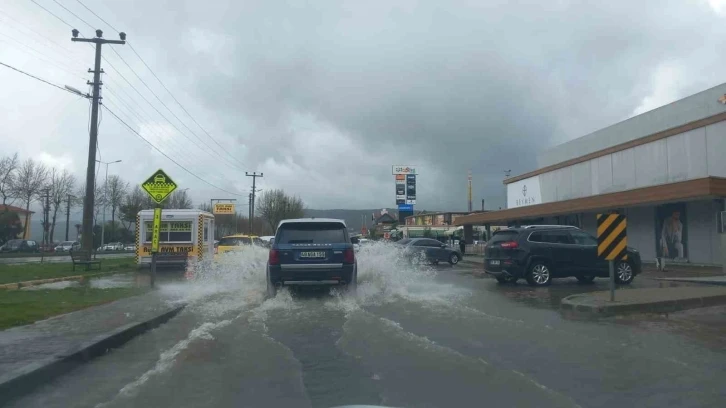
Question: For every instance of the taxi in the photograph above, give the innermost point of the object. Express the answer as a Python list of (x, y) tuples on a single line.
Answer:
[(236, 242)]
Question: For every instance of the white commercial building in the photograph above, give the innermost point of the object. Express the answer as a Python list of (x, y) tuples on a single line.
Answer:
[(665, 170)]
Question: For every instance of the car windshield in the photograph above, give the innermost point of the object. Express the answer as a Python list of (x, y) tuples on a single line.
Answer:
[(235, 241), (311, 233), (555, 145)]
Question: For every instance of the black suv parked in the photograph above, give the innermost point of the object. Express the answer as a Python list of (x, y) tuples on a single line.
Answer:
[(540, 253)]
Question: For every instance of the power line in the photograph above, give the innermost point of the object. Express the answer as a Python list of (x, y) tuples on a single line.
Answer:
[(162, 133), (37, 78), (27, 28), (122, 107), (132, 86), (164, 154), (97, 16), (74, 15), (43, 56), (165, 88), (51, 13), (154, 107), (167, 108)]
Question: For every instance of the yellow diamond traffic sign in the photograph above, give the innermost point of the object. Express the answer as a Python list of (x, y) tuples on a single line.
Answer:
[(159, 186)]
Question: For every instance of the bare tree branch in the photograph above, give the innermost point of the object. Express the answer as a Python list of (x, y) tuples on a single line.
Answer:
[(8, 170), (29, 179), (61, 184), (274, 206)]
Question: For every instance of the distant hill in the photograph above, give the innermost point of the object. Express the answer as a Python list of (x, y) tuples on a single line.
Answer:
[(36, 230)]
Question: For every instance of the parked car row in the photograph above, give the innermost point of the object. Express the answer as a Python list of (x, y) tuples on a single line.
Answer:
[(20, 246), (31, 246)]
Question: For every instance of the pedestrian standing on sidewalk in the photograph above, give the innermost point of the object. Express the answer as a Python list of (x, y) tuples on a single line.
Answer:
[(462, 245)]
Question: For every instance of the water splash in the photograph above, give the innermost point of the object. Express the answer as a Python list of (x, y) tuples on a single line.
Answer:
[(235, 281)]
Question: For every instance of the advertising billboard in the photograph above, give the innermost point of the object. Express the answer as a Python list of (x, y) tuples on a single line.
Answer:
[(671, 232), (411, 189), (223, 208), (400, 169)]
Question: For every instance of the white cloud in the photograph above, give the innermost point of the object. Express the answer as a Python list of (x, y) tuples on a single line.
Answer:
[(666, 88), (62, 162), (718, 6)]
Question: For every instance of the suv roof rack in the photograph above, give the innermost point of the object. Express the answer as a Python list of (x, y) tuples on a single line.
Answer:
[(547, 226)]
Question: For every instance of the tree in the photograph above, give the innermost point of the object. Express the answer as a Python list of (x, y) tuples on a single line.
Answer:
[(29, 179), (179, 200), (61, 184), (274, 206), (10, 226), (133, 202), (8, 169), (98, 200), (115, 190)]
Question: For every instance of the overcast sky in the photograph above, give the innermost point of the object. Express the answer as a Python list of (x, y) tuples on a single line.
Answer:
[(324, 97)]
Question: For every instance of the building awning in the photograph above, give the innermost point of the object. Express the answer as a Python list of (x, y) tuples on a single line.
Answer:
[(683, 190), (12, 208)]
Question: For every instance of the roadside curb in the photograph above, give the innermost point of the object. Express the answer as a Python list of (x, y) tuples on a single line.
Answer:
[(577, 306), (18, 285), (22, 381), (704, 280)]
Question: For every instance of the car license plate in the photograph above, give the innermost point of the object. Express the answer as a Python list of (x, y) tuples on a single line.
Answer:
[(493, 262), (312, 254)]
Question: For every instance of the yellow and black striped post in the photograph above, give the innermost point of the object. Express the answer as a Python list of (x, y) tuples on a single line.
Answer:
[(612, 242)]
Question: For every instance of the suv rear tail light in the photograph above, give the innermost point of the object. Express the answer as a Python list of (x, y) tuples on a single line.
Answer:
[(510, 245), (349, 256), (274, 257)]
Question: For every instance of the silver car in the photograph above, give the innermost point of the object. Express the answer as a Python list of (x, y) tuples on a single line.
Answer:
[(67, 246), (433, 250)]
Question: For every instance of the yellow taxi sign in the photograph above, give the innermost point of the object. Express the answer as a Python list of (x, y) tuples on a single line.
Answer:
[(159, 186), (223, 208), (155, 230)]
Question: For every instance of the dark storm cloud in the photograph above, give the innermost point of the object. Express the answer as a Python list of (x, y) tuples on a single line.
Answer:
[(450, 85)]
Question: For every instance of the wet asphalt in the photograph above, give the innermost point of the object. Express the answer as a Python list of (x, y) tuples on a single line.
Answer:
[(441, 338)]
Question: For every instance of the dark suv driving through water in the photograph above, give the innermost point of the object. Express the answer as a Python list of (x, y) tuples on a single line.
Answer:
[(540, 253), (311, 251)]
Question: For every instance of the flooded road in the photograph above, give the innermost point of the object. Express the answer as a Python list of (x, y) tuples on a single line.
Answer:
[(412, 336)]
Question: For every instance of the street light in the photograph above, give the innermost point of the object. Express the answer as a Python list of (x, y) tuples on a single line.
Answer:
[(105, 199), (76, 91)]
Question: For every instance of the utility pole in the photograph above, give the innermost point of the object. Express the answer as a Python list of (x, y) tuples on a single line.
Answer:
[(46, 210), (254, 176), (68, 214), (249, 214), (506, 176), (105, 200), (88, 201), (470, 204)]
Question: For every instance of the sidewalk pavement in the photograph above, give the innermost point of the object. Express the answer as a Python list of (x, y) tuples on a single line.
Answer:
[(650, 300), (34, 354), (709, 280)]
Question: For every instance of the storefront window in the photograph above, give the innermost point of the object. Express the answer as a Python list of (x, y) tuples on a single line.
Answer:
[(174, 231)]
